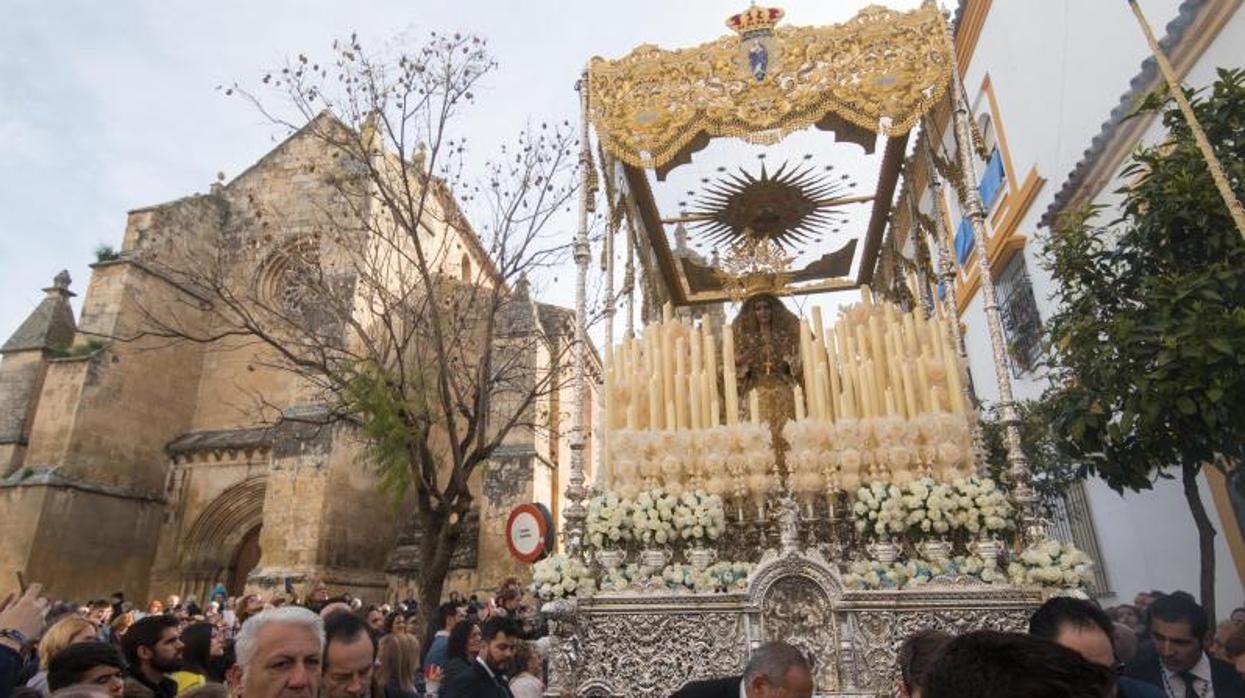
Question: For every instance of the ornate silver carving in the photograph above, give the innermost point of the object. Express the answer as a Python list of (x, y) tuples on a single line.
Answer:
[(643, 645), (651, 653), (798, 612)]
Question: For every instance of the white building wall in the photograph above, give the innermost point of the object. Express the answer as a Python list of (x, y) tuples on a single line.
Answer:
[(1057, 69)]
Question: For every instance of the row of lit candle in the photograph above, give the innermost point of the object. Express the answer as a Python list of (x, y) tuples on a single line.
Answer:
[(877, 361)]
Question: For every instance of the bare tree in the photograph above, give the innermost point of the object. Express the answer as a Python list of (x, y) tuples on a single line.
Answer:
[(387, 305)]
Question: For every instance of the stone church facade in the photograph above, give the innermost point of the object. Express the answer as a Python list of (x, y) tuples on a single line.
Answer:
[(145, 466)]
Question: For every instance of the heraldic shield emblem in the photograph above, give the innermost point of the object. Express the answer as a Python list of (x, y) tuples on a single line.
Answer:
[(757, 48)]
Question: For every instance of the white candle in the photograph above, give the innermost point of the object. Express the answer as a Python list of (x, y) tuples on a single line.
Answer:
[(728, 375), (754, 405), (709, 381), (680, 381)]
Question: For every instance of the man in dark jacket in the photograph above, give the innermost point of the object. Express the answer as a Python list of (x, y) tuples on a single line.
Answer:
[(775, 670), (153, 649), (1085, 628), (1179, 664), (485, 678), (349, 658)]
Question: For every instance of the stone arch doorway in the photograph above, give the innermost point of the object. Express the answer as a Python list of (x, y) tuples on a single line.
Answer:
[(244, 560), (223, 542)]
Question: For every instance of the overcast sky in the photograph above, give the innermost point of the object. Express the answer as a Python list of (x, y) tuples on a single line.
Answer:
[(110, 106)]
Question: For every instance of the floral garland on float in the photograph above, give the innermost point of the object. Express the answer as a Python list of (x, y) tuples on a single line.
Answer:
[(915, 531), (560, 576), (649, 529)]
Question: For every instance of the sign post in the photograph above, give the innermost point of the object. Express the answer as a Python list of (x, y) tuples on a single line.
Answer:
[(529, 532)]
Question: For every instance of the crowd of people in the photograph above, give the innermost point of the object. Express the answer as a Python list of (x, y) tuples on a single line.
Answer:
[(1160, 647), (254, 647)]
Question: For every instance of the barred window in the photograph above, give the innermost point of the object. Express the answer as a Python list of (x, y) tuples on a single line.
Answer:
[(1021, 322)]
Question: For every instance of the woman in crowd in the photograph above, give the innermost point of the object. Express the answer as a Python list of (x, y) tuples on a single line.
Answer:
[(250, 605), (120, 624), (63, 633), (464, 645), (398, 662), (202, 645), (395, 623), (527, 671)]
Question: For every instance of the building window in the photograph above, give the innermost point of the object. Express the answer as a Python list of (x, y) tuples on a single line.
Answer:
[(290, 278), (991, 180), (466, 268), (963, 240), (1021, 322)]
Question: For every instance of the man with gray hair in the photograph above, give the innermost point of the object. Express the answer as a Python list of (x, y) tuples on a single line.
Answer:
[(278, 654), (775, 670)]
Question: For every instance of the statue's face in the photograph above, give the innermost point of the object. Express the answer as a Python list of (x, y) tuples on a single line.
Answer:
[(764, 312)]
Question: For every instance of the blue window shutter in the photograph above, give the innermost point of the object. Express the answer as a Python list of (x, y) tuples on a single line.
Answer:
[(991, 180), (963, 241)]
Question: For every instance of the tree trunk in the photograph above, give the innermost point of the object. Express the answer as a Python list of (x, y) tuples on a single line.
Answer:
[(1205, 537), (437, 548)]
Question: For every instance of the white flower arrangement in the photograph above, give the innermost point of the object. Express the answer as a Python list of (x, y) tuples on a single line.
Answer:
[(609, 521), (559, 576), (879, 510), (619, 579), (749, 460), (699, 516), (910, 574), (930, 507), (652, 517), (810, 459), (981, 507), (933, 509), (722, 460), (721, 577), (869, 574), (1052, 564)]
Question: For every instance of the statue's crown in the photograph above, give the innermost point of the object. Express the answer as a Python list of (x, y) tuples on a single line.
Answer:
[(755, 19)]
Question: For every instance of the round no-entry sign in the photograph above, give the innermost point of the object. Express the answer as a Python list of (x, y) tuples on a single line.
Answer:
[(529, 532)]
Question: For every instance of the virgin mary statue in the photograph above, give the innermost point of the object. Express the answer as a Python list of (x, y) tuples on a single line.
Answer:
[(767, 359)]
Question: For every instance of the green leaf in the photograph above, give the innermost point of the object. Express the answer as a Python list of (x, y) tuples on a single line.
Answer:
[(1222, 345), (1186, 406)]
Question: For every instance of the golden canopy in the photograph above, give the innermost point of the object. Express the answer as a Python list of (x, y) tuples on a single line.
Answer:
[(881, 71)]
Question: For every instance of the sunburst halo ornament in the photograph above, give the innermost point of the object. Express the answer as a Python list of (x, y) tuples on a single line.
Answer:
[(792, 206)]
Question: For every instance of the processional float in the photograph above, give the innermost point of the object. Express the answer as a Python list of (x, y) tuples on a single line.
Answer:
[(818, 480)]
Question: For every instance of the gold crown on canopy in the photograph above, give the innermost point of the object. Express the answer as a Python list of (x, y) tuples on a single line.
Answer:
[(755, 19), (755, 264)]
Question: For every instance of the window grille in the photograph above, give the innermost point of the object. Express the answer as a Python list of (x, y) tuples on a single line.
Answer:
[(1022, 324)]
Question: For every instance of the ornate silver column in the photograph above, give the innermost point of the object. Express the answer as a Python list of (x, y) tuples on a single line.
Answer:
[(914, 228), (1018, 465), (629, 274), (603, 461), (574, 513)]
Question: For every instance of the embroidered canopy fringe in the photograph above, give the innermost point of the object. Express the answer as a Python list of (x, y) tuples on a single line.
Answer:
[(881, 71)]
